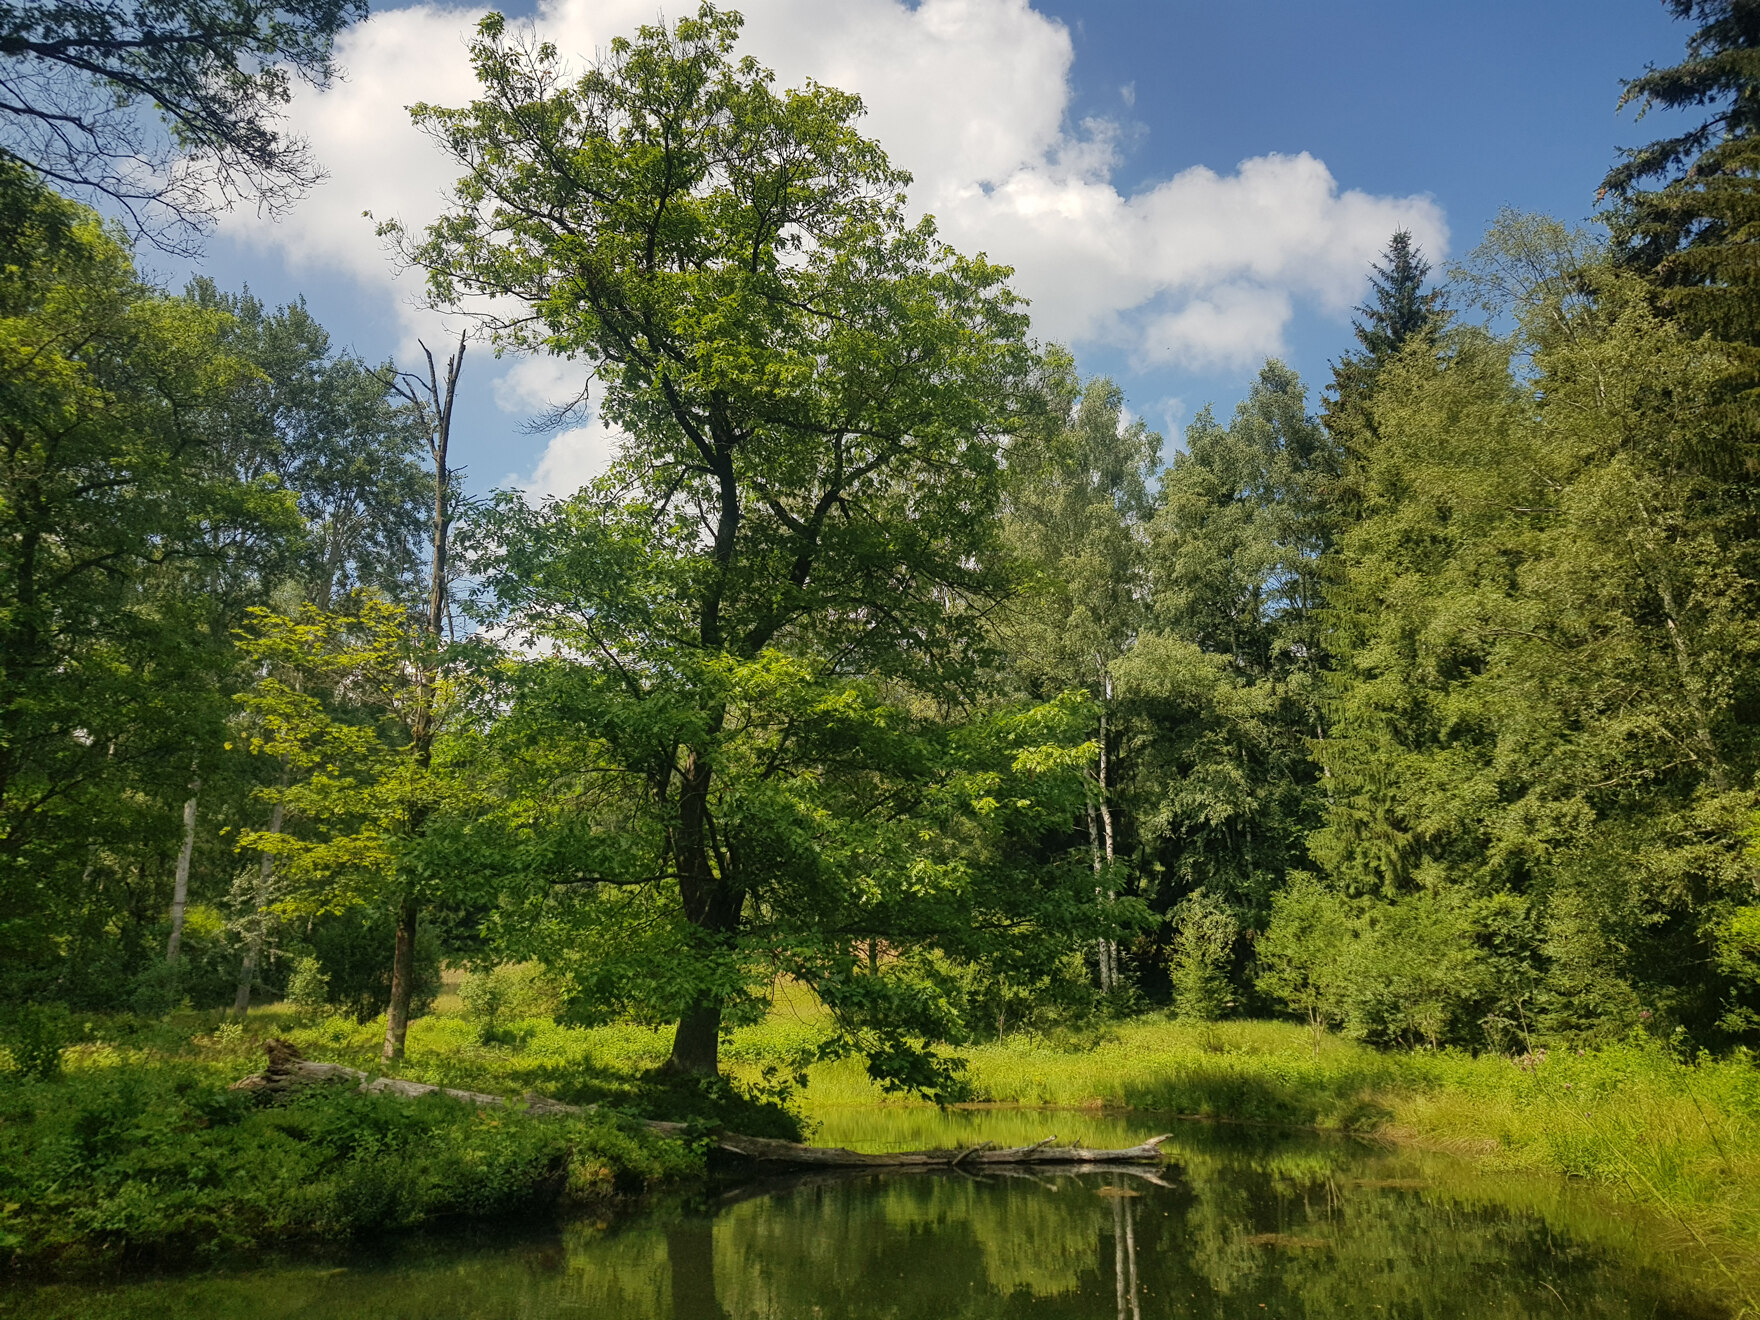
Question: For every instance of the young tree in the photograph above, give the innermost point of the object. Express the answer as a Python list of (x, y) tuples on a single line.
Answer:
[(812, 389), (380, 777), (1302, 952), (1204, 933)]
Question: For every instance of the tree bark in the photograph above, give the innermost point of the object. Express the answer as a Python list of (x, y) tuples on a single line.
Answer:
[(403, 966), (712, 904), (180, 885), (1110, 946), (1100, 963), (253, 949)]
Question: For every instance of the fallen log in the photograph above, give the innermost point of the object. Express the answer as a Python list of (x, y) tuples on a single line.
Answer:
[(289, 1071)]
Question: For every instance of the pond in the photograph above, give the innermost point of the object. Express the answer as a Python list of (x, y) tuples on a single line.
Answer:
[(1238, 1223)]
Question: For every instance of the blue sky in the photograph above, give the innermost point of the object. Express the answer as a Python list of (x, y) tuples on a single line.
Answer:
[(1062, 137)]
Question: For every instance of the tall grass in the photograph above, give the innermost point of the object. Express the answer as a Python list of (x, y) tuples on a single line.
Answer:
[(1679, 1136)]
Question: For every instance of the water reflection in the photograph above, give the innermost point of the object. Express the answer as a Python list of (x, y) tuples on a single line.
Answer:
[(1236, 1225)]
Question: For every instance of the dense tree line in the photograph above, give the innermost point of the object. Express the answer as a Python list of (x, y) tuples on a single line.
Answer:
[(889, 655)]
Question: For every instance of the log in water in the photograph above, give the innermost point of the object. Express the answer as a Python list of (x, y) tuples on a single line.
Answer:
[(288, 1070)]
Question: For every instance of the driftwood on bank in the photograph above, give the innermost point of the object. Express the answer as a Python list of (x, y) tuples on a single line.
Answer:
[(288, 1071)]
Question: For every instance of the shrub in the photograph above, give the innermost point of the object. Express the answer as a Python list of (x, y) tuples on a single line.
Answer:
[(506, 994), (1203, 939), (308, 989), (35, 1035)]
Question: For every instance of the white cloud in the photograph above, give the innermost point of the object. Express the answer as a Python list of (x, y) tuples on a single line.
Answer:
[(572, 459), (1204, 269)]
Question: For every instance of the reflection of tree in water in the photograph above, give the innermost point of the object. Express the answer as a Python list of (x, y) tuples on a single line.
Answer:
[(690, 1258), (1328, 1236), (1305, 1229)]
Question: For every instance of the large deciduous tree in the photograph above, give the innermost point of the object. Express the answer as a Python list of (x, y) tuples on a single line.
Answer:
[(812, 390), (121, 509)]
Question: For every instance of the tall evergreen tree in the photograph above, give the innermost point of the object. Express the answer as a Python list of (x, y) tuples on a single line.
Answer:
[(1398, 309), (1685, 207)]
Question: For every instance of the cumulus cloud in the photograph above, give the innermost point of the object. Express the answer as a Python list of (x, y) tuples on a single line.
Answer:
[(572, 459), (1202, 270)]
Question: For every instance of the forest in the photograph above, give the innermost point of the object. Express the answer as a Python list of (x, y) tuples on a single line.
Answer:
[(894, 665)]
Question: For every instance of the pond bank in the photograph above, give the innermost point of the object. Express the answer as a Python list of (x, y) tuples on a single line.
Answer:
[(141, 1153), (1240, 1219)]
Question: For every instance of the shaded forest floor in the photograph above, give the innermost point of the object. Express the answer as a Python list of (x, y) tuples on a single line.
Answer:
[(139, 1151)]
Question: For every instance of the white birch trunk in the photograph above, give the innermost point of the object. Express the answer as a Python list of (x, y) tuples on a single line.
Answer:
[(180, 886), (253, 949)]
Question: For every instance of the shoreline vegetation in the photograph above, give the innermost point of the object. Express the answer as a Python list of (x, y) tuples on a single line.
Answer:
[(886, 689), (140, 1155)]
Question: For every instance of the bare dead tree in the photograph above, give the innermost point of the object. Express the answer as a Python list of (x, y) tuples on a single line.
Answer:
[(431, 396)]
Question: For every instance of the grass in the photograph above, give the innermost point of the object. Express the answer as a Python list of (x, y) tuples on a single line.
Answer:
[(1682, 1138), (139, 1153)]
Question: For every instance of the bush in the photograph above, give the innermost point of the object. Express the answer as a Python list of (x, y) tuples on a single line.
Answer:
[(506, 994), (308, 989), (35, 1035), (1203, 940), (162, 1161)]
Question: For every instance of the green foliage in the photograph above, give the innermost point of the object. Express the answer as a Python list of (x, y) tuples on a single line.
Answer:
[(1302, 952), (1399, 311), (308, 989), (742, 754), (34, 1036), (1204, 934), (163, 1162), (1738, 956), (1683, 206), (126, 522), (353, 949), (1546, 640), (504, 994), (1223, 690)]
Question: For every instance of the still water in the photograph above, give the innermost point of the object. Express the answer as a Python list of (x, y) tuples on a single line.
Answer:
[(1238, 1223)]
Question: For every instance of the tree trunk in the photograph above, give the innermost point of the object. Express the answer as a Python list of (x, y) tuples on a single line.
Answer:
[(253, 949), (712, 904), (433, 400), (403, 966), (1111, 945), (1100, 962), (180, 886)]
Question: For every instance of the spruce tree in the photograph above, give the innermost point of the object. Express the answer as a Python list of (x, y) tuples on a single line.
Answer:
[(1685, 207), (1398, 308)]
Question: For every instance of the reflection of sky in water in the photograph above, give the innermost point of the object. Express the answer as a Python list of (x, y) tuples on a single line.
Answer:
[(1303, 1225)]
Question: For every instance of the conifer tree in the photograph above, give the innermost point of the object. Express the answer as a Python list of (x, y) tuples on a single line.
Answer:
[(1398, 308), (1684, 207)]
